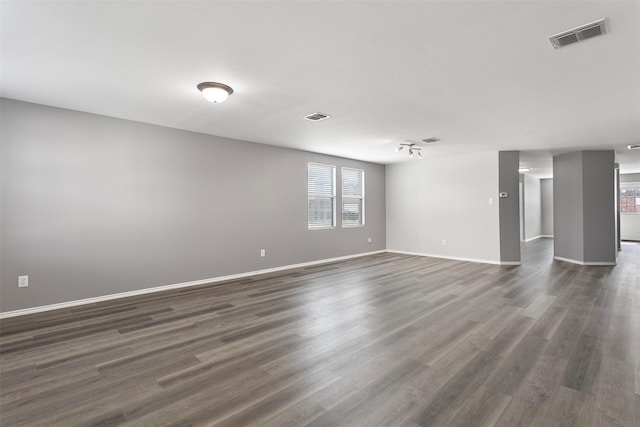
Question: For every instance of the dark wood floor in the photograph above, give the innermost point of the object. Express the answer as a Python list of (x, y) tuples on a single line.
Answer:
[(385, 340)]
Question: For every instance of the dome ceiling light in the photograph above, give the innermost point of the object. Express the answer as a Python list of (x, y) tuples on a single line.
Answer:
[(215, 92)]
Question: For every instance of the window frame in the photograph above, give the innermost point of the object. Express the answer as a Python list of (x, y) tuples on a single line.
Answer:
[(636, 206), (318, 196), (360, 198)]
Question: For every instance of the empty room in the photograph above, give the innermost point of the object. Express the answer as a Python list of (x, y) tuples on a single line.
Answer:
[(319, 213)]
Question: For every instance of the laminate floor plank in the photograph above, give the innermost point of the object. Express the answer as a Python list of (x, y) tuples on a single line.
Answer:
[(482, 408), (354, 406), (29, 387), (311, 407), (619, 342), (566, 409), (452, 394), (510, 373), (535, 395), (614, 396), (266, 408), (217, 391), (381, 340), (549, 321)]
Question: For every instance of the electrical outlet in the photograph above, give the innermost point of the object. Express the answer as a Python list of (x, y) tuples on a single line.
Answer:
[(444, 243), (263, 252), (23, 281), (369, 240)]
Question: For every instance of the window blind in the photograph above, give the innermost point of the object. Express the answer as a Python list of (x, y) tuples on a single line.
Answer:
[(352, 197), (321, 190)]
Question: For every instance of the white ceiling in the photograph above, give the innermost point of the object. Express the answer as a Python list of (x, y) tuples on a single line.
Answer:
[(479, 75)]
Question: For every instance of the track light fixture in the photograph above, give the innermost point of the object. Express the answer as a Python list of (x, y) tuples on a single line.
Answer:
[(413, 150)]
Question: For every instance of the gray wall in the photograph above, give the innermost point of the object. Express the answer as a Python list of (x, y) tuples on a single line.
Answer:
[(532, 208), (508, 180), (599, 206), (584, 209), (567, 206), (93, 205), (546, 206), (445, 198)]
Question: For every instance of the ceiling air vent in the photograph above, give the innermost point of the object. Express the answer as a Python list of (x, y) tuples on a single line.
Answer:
[(634, 147), (430, 140), (316, 117), (583, 32)]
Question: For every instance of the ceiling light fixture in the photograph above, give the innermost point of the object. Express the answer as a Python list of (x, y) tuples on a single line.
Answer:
[(215, 92), (413, 150), (633, 147), (523, 170)]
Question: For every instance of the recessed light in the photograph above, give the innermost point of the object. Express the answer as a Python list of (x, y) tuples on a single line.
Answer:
[(633, 147), (215, 92)]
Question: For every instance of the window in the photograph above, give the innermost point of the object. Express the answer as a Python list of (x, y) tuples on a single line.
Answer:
[(321, 196), (352, 197), (630, 198)]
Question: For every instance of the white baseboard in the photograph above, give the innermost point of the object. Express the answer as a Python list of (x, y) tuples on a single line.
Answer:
[(102, 298), (574, 261), (542, 236), (483, 261)]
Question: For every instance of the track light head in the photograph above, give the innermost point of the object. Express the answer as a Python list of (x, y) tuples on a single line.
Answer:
[(413, 150)]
